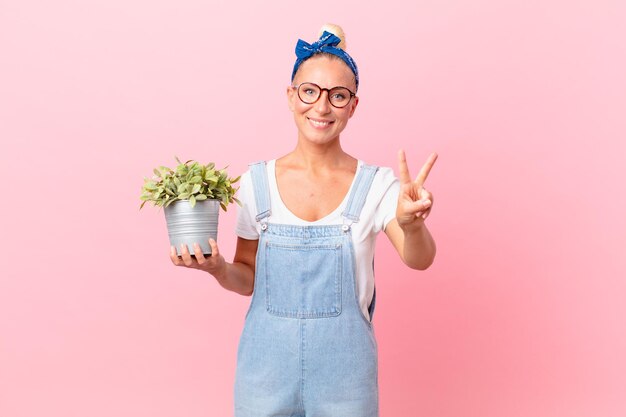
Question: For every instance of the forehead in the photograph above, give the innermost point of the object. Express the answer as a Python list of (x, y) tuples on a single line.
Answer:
[(325, 72)]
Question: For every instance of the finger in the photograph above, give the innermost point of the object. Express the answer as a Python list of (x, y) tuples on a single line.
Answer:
[(197, 250), (416, 207), (214, 250), (403, 168), (173, 256), (424, 194), (421, 177), (184, 252)]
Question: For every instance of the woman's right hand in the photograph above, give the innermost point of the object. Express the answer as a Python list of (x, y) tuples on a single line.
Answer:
[(214, 264)]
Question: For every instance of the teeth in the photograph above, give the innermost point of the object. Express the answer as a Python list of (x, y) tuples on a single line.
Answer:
[(319, 124)]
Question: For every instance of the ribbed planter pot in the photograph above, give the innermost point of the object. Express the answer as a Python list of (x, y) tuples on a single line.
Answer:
[(186, 224)]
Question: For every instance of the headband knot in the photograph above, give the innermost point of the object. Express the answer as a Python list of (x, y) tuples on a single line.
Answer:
[(326, 43)]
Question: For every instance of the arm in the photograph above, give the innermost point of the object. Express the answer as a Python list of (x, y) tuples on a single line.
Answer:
[(415, 246), (408, 232), (237, 276)]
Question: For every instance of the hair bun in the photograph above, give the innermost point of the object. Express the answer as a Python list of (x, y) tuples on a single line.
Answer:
[(337, 31)]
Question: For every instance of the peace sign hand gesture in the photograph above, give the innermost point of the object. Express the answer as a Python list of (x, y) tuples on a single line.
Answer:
[(414, 201)]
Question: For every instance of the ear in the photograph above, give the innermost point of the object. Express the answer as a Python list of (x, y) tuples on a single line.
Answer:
[(355, 102), (291, 95)]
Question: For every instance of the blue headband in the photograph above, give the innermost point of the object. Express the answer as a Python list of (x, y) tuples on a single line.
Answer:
[(326, 43)]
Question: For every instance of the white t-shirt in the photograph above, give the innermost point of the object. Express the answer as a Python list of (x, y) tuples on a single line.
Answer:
[(378, 211)]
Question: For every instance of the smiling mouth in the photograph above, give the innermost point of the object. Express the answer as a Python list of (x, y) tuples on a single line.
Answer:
[(320, 123)]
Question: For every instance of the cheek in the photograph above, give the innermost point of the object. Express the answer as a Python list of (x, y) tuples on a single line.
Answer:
[(346, 113), (299, 106)]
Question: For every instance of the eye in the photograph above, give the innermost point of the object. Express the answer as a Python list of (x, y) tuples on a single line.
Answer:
[(339, 96)]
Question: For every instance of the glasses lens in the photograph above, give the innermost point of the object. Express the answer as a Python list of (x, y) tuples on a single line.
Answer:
[(339, 96), (309, 93)]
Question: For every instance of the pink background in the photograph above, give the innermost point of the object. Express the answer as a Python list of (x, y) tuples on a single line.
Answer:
[(522, 313)]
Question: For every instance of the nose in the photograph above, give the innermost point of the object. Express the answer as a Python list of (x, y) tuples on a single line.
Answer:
[(322, 105)]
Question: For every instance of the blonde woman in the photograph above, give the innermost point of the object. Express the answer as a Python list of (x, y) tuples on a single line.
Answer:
[(306, 235)]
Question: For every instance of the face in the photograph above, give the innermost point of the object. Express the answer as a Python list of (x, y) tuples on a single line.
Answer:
[(320, 122)]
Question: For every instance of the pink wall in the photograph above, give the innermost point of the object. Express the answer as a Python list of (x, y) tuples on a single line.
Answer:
[(522, 313)]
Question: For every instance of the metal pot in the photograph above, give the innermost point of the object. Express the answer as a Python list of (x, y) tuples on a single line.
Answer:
[(186, 224)]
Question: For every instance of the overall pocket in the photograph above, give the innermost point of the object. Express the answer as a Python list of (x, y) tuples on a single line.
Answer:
[(303, 281)]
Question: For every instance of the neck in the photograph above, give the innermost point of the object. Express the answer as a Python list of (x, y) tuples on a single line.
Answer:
[(315, 156)]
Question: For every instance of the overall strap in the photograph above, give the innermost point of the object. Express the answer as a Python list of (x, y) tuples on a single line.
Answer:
[(356, 201), (258, 173)]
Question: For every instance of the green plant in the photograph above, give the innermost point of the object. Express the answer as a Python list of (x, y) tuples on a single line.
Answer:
[(190, 181)]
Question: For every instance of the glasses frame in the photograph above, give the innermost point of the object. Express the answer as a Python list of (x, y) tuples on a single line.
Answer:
[(328, 90)]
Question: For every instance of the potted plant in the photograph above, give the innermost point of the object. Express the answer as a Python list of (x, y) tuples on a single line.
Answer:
[(191, 196)]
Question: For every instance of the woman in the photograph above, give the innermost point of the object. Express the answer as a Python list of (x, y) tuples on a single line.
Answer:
[(306, 235)]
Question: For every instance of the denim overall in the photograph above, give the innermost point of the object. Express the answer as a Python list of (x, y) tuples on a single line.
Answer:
[(306, 349)]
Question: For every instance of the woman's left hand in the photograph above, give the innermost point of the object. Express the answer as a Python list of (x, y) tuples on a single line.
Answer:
[(414, 201)]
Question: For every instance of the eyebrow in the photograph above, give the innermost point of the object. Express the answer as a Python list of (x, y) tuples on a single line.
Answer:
[(337, 86)]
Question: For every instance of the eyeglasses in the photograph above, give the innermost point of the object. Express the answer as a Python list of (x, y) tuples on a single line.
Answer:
[(338, 97)]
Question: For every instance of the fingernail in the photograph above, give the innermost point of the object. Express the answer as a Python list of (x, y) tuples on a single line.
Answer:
[(427, 203)]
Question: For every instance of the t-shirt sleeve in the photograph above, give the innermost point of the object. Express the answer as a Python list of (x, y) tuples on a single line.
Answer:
[(390, 189), (246, 223)]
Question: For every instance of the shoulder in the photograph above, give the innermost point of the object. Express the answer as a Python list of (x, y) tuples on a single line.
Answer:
[(380, 205), (386, 175), (384, 178), (385, 187), (246, 177)]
